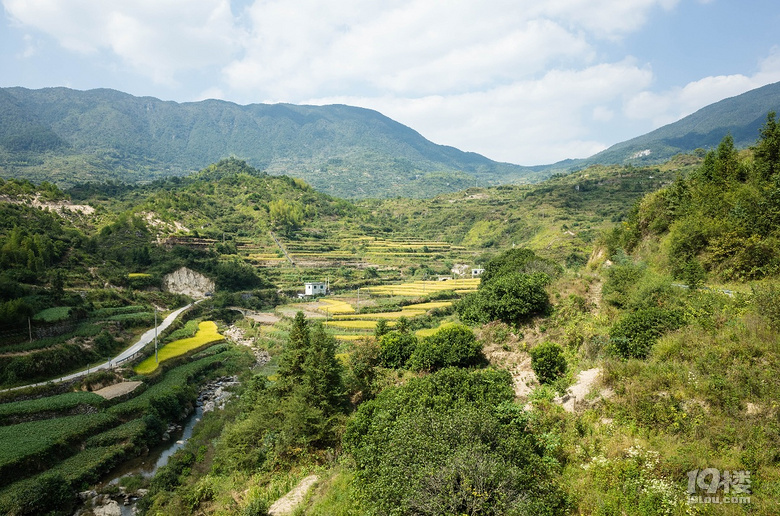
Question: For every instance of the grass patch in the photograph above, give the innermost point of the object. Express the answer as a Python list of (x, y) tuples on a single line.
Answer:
[(207, 334), (50, 315), (427, 332)]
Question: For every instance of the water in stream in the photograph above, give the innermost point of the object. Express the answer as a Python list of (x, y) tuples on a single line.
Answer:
[(211, 397)]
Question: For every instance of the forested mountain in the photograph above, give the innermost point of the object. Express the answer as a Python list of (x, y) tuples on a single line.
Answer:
[(67, 136), (741, 117)]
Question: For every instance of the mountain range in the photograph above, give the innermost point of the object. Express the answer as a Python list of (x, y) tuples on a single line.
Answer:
[(67, 136)]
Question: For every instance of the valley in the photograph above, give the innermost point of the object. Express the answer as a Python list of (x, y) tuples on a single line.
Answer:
[(568, 373)]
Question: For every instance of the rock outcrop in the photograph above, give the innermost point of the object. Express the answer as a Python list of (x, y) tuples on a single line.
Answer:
[(188, 282)]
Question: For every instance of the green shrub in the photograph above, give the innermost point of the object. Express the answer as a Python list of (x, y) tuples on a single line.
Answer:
[(395, 348), (451, 443), (512, 298), (548, 362), (450, 346), (767, 301), (634, 334)]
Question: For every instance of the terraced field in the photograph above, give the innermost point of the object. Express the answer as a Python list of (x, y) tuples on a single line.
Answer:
[(423, 288), (207, 334), (80, 448)]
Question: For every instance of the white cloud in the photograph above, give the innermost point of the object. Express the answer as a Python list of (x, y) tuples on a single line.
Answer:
[(676, 103), (158, 38), (528, 122), (521, 81)]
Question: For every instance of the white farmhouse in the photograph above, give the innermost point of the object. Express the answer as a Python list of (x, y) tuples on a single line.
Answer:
[(315, 288)]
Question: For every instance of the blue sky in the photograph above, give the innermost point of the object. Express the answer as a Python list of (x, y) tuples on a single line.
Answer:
[(523, 81)]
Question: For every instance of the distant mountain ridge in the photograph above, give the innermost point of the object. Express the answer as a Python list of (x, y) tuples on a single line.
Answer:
[(68, 136), (742, 116), (341, 150)]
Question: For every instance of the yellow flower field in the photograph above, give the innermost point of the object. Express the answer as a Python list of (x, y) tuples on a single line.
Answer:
[(207, 334)]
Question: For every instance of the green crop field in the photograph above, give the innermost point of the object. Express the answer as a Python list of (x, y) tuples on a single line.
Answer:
[(61, 402), (58, 313), (37, 438)]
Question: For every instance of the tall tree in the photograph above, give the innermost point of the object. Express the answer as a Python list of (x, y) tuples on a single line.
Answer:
[(294, 354), (767, 150)]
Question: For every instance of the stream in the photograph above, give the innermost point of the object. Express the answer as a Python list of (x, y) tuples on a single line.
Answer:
[(212, 396)]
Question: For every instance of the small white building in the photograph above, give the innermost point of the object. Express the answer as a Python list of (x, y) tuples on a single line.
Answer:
[(315, 288), (476, 272)]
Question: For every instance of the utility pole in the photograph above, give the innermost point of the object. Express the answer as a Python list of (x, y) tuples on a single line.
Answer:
[(156, 361), (358, 301)]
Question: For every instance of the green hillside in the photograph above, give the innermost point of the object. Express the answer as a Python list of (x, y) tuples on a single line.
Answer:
[(68, 136), (620, 347), (741, 116)]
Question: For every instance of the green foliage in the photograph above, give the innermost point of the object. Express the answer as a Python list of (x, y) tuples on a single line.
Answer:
[(450, 346), (237, 275), (722, 219), (548, 362), (48, 493), (29, 447), (634, 333), (767, 301), (450, 443), (513, 298), (622, 277), (519, 260), (395, 348), (287, 216), (381, 328), (50, 404), (512, 289), (300, 410)]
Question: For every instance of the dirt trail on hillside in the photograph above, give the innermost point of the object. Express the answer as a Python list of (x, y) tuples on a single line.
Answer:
[(576, 394), (287, 504)]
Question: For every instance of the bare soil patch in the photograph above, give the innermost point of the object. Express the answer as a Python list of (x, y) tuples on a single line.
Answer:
[(576, 394), (118, 389)]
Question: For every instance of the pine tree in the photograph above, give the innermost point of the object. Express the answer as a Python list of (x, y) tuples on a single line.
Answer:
[(290, 370)]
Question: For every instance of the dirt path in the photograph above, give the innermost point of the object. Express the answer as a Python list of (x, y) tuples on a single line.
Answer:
[(287, 504), (576, 394), (118, 389)]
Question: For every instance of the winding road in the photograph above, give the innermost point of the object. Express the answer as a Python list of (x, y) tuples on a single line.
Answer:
[(145, 339)]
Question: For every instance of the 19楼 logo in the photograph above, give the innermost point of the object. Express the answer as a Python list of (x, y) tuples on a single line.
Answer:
[(714, 486)]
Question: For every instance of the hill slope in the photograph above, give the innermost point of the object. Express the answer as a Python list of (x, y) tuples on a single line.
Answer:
[(741, 116), (66, 136)]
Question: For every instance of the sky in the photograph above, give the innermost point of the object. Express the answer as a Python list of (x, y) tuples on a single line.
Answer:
[(528, 82)]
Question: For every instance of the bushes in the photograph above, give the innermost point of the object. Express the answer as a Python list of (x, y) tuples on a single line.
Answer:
[(450, 346), (451, 443), (548, 362), (395, 348), (512, 289), (453, 345), (634, 334), (512, 298), (767, 302)]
